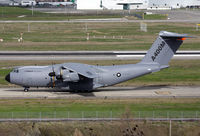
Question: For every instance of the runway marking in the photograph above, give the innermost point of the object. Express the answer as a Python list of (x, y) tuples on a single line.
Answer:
[(121, 56), (163, 92)]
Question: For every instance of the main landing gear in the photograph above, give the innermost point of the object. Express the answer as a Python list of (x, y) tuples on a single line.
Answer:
[(26, 89)]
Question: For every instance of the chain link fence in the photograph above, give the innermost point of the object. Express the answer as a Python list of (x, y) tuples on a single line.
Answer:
[(98, 114)]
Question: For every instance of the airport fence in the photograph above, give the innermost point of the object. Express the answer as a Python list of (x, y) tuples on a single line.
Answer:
[(100, 115)]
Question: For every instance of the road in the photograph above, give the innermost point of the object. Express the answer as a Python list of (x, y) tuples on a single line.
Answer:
[(186, 14), (111, 20), (183, 16), (109, 92), (190, 16), (87, 55)]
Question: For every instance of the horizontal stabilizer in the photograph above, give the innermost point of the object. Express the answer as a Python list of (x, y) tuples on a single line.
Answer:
[(166, 34)]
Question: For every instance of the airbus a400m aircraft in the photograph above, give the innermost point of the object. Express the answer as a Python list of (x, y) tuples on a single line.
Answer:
[(83, 77)]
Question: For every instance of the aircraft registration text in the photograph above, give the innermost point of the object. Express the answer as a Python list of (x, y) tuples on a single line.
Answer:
[(158, 50)]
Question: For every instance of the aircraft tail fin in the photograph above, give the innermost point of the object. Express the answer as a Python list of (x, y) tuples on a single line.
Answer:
[(164, 48)]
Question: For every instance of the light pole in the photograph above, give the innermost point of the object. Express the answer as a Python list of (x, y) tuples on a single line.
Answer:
[(32, 7)]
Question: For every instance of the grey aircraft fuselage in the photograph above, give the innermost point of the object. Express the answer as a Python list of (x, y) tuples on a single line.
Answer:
[(38, 76), (83, 77)]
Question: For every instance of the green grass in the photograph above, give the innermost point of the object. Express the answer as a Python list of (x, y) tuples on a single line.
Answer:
[(156, 17), (103, 36), (177, 74), (14, 13), (3, 73), (75, 108)]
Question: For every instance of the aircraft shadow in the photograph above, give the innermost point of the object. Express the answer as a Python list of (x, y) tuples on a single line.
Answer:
[(54, 91), (91, 94), (31, 90), (149, 87)]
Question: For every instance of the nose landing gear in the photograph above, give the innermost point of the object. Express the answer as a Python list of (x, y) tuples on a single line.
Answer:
[(26, 89)]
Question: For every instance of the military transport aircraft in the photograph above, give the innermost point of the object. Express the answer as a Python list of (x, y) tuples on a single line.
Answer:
[(84, 78)]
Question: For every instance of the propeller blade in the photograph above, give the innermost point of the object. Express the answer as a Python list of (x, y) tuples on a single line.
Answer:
[(51, 74), (60, 76)]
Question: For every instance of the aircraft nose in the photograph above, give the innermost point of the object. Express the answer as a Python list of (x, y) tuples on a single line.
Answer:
[(7, 78)]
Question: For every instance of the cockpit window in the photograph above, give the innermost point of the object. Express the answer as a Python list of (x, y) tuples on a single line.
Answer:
[(16, 70)]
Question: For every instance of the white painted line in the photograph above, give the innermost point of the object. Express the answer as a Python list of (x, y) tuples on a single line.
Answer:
[(187, 55), (126, 56)]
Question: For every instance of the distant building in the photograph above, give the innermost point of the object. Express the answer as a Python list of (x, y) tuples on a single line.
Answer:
[(109, 4), (28, 3), (112, 4), (14, 3), (54, 0), (18, 2), (5, 2), (136, 4), (173, 3)]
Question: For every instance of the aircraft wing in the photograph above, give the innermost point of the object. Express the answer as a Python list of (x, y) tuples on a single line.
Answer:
[(81, 69)]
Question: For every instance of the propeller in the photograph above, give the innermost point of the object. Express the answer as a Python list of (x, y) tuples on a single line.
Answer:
[(52, 75), (60, 75), (63, 74)]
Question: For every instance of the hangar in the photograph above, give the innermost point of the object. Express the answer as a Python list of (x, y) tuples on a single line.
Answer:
[(112, 4), (174, 3), (135, 4)]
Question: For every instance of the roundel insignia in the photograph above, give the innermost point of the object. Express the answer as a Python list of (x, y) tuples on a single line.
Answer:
[(118, 74)]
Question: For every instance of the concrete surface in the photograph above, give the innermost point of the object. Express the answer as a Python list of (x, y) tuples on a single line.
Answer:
[(109, 92), (87, 55)]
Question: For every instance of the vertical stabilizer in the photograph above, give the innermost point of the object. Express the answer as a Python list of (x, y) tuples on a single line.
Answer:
[(164, 48)]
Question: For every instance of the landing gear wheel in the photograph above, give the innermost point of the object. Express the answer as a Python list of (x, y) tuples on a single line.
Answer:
[(26, 89)]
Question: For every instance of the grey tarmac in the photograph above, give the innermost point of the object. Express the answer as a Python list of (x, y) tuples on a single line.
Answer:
[(87, 55), (108, 92), (176, 16), (112, 20)]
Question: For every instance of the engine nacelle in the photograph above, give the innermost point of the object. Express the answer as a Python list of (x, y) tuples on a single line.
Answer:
[(73, 77)]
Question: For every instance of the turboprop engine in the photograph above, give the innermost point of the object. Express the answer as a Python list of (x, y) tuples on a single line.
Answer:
[(64, 75)]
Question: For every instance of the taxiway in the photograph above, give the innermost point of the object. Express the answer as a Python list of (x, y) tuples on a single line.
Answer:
[(108, 92), (87, 55)]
